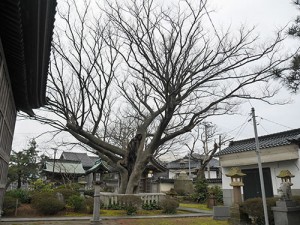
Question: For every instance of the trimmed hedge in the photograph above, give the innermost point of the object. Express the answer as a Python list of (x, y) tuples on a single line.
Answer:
[(254, 208), (21, 194), (9, 205), (66, 192), (130, 203), (76, 202), (47, 203), (169, 205)]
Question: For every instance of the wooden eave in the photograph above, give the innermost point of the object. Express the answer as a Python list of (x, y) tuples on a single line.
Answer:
[(26, 28)]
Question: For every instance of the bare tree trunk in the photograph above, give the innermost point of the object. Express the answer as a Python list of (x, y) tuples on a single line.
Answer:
[(19, 182), (123, 181), (201, 173), (134, 179)]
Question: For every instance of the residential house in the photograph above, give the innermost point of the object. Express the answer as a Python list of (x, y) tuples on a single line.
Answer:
[(191, 164), (278, 151), (164, 181), (26, 28)]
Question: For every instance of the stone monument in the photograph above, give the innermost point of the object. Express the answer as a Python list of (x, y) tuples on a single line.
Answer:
[(183, 184)]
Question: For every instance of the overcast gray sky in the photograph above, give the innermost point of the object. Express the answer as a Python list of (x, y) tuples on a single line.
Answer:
[(267, 16)]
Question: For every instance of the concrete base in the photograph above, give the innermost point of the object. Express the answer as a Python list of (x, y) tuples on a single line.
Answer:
[(221, 212), (236, 217), (286, 213), (98, 222)]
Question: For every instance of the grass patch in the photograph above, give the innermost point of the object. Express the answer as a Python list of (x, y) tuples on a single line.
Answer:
[(174, 221), (194, 206), (112, 213)]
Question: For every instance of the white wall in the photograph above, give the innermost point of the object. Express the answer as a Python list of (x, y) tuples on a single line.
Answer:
[(292, 165), (172, 174)]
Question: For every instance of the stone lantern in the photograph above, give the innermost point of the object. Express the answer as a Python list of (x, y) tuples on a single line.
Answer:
[(284, 190), (236, 176), (82, 183), (285, 176)]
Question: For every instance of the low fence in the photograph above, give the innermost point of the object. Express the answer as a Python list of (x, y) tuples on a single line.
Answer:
[(108, 198)]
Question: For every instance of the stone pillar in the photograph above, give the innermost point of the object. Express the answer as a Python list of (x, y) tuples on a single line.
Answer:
[(96, 211)]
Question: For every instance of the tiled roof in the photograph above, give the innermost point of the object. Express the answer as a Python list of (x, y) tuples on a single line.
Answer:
[(194, 163), (99, 165), (86, 160), (266, 141), (26, 29), (68, 167)]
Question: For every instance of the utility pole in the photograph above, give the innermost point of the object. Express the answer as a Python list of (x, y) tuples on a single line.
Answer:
[(261, 176), (206, 149), (190, 175), (55, 150)]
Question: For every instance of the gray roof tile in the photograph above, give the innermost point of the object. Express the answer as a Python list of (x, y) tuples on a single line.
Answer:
[(79, 157), (266, 141)]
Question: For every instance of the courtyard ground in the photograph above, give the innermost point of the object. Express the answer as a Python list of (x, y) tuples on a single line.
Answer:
[(149, 221)]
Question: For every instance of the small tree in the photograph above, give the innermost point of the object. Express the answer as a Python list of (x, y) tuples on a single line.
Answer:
[(206, 138), (24, 165)]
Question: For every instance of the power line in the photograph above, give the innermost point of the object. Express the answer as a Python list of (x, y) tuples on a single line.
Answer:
[(276, 123)]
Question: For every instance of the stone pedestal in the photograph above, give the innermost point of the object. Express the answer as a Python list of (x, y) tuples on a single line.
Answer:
[(221, 212), (286, 212)]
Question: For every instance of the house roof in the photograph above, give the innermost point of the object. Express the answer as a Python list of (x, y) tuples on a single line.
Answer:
[(266, 141), (64, 166), (194, 162), (99, 165), (157, 165), (86, 160), (26, 28)]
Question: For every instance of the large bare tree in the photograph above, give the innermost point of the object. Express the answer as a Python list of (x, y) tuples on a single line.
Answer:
[(160, 67)]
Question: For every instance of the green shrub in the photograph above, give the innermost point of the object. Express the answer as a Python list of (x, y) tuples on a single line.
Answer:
[(89, 205), (114, 206), (67, 193), (169, 205), (130, 203), (47, 203), (254, 207), (21, 194), (172, 192), (217, 192), (201, 190), (9, 205), (40, 185), (152, 205), (181, 192), (89, 192), (76, 202)]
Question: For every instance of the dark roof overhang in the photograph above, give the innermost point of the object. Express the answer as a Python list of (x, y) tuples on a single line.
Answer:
[(26, 28)]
